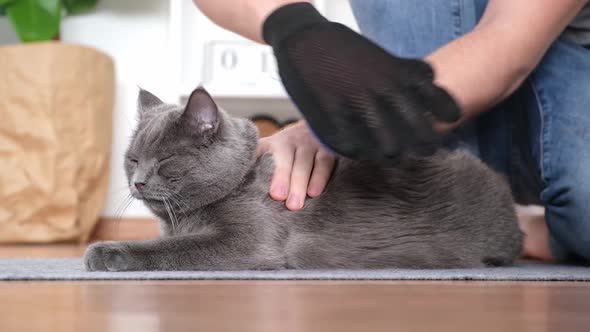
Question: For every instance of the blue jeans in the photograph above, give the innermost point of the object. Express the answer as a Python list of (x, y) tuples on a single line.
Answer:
[(538, 137)]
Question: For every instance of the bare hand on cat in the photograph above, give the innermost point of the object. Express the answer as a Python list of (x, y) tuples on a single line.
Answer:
[(302, 166)]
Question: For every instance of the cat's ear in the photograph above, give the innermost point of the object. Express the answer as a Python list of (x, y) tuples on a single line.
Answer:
[(146, 101), (201, 115)]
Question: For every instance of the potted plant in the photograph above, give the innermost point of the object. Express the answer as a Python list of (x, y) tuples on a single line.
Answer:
[(39, 20), (56, 103)]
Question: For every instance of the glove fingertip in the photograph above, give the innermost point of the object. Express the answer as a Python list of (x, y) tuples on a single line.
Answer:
[(451, 113), (441, 104)]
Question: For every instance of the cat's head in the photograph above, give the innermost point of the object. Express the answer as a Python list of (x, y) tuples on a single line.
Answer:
[(187, 157)]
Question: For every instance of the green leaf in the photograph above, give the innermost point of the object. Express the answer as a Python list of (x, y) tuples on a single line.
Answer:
[(35, 20), (78, 6), (3, 4)]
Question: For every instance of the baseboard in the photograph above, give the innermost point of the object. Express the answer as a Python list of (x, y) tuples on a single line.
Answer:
[(120, 229)]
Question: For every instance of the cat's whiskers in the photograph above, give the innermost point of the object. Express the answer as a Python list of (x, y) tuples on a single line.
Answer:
[(174, 200), (170, 215), (179, 200), (125, 203), (173, 213)]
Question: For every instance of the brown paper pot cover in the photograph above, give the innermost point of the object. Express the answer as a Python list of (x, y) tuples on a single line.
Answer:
[(56, 104)]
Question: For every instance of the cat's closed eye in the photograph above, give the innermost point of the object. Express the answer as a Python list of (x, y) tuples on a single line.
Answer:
[(169, 169), (163, 160), (169, 173)]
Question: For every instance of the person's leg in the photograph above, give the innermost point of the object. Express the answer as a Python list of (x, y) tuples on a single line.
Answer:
[(549, 158), (560, 145)]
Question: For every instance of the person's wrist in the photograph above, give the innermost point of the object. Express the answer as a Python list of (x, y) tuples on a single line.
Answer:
[(287, 19)]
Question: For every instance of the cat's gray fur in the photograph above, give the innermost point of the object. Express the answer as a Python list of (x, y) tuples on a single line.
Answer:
[(444, 211)]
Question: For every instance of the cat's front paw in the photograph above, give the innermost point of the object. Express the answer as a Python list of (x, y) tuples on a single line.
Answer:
[(109, 256)]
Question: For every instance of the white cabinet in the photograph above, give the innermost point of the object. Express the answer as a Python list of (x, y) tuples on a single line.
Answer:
[(229, 66), (240, 69)]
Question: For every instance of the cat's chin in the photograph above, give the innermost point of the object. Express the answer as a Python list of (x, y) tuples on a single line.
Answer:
[(149, 201), (156, 206), (152, 201)]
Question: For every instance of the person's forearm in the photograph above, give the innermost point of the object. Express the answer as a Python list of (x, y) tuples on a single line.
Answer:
[(244, 17), (476, 73), (485, 66)]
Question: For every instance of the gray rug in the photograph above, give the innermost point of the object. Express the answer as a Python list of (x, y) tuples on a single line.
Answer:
[(72, 269)]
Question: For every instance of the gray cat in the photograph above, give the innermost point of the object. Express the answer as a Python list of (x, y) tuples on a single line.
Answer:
[(196, 169)]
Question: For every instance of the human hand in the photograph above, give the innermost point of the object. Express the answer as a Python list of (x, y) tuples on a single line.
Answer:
[(361, 101), (302, 166)]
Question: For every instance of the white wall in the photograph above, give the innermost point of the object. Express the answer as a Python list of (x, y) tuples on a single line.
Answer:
[(136, 34)]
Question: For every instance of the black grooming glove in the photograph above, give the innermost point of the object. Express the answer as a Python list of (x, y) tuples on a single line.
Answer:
[(360, 101)]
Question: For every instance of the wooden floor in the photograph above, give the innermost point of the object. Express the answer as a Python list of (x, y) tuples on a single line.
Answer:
[(284, 305)]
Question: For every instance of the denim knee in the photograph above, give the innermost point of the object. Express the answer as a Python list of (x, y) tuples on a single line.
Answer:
[(567, 200)]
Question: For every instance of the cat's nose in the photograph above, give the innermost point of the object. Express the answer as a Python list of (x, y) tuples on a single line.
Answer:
[(139, 185)]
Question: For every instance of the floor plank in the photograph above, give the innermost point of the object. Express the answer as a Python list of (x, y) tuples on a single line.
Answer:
[(294, 306)]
